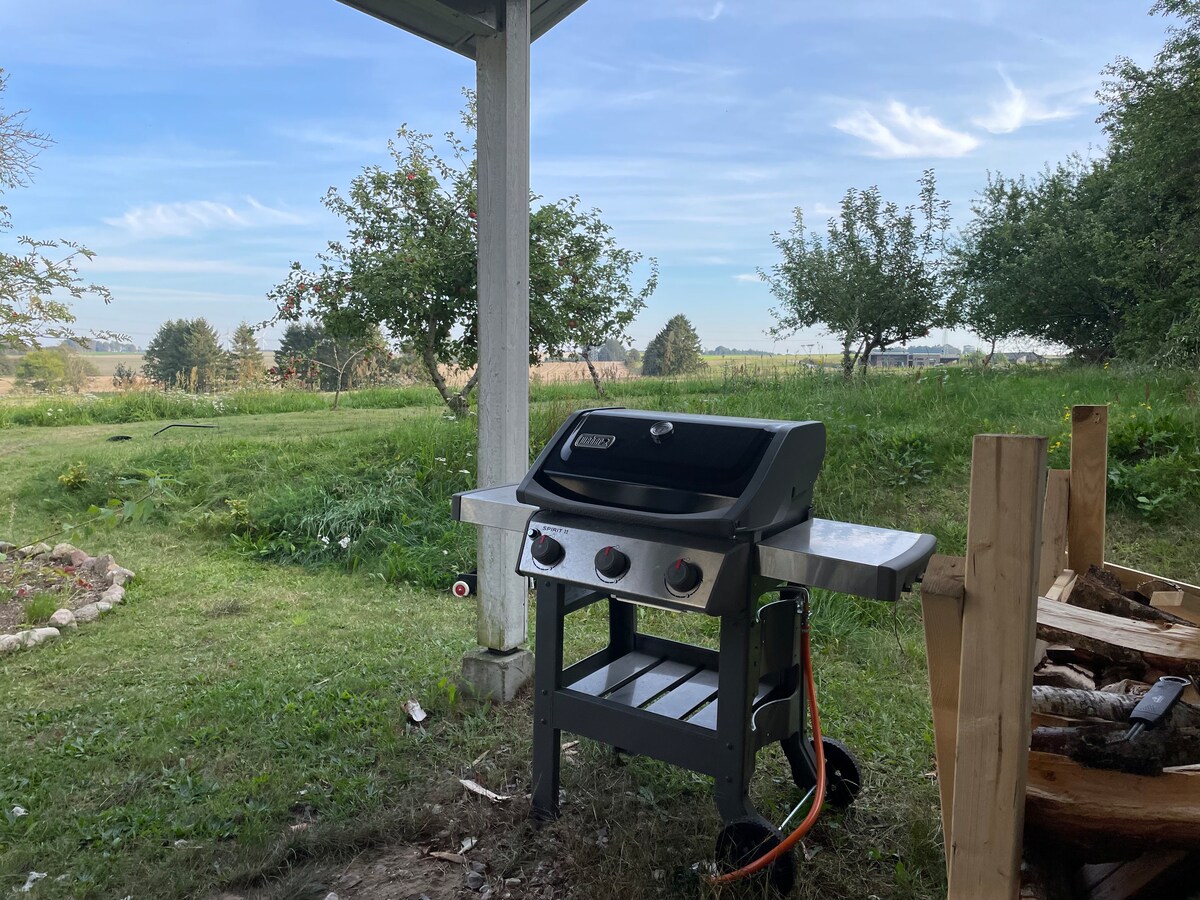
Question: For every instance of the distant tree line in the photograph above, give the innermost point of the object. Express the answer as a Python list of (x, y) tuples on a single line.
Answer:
[(722, 350)]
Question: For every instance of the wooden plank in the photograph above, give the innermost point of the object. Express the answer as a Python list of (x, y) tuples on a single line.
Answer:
[(1136, 875), (1061, 588), (1054, 528), (1112, 809), (941, 608), (1155, 638), (1008, 485), (1177, 603), (1088, 490), (1133, 580)]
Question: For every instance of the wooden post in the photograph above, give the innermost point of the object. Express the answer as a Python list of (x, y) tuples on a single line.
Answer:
[(1008, 484), (1054, 529), (941, 608), (1089, 483), (503, 142)]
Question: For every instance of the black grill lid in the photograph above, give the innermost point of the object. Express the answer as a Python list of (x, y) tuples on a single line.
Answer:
[(712, 475)]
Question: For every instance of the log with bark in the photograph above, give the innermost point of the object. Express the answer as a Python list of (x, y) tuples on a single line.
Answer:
[(1103, 745), (1101, 591), (1103, 705)]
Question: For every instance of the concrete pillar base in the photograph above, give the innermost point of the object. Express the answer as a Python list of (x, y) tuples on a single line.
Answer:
[(495, 676)]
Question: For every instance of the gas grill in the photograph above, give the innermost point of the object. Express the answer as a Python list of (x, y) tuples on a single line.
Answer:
[(693, 514)]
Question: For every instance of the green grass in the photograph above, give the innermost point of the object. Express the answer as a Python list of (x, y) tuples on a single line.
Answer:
[(169, 750)]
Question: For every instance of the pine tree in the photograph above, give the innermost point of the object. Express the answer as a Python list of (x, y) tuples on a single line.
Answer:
[(245, 356), (185, 353), (674, 351)]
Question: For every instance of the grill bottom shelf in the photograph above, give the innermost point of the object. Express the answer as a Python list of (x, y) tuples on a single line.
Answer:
[(660, 684)]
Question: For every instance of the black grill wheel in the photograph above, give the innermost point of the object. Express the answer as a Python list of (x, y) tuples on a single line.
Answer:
[(741, 842), (843, 777)]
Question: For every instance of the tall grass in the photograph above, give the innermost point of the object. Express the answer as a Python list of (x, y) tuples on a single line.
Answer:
[(148, 406)]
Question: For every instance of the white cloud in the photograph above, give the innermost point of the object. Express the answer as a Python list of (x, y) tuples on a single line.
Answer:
[(1018, 109), (902, 131), (182, 219), (752, 277)]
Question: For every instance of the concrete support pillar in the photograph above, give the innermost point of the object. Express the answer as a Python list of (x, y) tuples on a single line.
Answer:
[(503, 147)]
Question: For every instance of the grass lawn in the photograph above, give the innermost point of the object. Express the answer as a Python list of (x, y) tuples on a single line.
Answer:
[(238, 723)]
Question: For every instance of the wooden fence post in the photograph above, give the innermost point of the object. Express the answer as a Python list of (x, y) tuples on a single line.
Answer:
[(1089, 484), (1054, 529), (1008, 484), (941, 608)]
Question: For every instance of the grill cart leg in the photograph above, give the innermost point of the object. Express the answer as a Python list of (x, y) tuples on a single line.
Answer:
[(547, 678), (739, 658)]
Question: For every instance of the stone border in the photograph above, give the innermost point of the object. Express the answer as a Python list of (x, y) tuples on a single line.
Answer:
[(65, 554)]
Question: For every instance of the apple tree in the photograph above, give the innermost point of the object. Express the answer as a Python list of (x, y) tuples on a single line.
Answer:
[(408, 264)]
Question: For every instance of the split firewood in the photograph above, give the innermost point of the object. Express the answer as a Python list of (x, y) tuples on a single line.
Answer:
[(1073, 704), (1095, 591), (1063, 676), (1101, 653), (1162, 645)]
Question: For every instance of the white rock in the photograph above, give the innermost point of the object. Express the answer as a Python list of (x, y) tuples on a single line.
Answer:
[(89, 613), (5, 546), (35, 636), (113, 595), (63, 618), (9, 643), (103, 605), (118, 575), (34, 550), (62, 552), (18, 811), (331, 896)]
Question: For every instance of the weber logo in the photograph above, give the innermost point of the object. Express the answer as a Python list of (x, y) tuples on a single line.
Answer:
[(595, 441)]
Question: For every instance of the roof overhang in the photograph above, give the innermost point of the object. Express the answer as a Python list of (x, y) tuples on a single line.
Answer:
[(455, 24)]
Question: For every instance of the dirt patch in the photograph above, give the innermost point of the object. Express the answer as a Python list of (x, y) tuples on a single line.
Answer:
[(401, 872)]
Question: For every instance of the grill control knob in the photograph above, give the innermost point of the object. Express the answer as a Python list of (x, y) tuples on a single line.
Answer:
[(546, 550), (611, 562), (683, 576)]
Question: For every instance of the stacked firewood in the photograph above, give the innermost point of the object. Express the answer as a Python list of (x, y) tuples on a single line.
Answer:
[(1110, 816), (1093, 671)]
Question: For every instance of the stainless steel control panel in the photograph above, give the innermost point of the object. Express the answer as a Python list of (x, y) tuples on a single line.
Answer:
[(644, 565)]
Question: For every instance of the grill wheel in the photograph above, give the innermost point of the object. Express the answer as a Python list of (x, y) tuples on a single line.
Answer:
[(741, 843)]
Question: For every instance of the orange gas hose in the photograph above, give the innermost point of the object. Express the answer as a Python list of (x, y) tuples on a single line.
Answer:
[(805, 826)]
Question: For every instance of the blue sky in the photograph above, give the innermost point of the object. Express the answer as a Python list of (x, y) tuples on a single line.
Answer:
[(194, 142)]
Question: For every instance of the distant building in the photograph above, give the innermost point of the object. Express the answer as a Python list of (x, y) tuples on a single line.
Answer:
[(1023, 357), (915, 358)]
